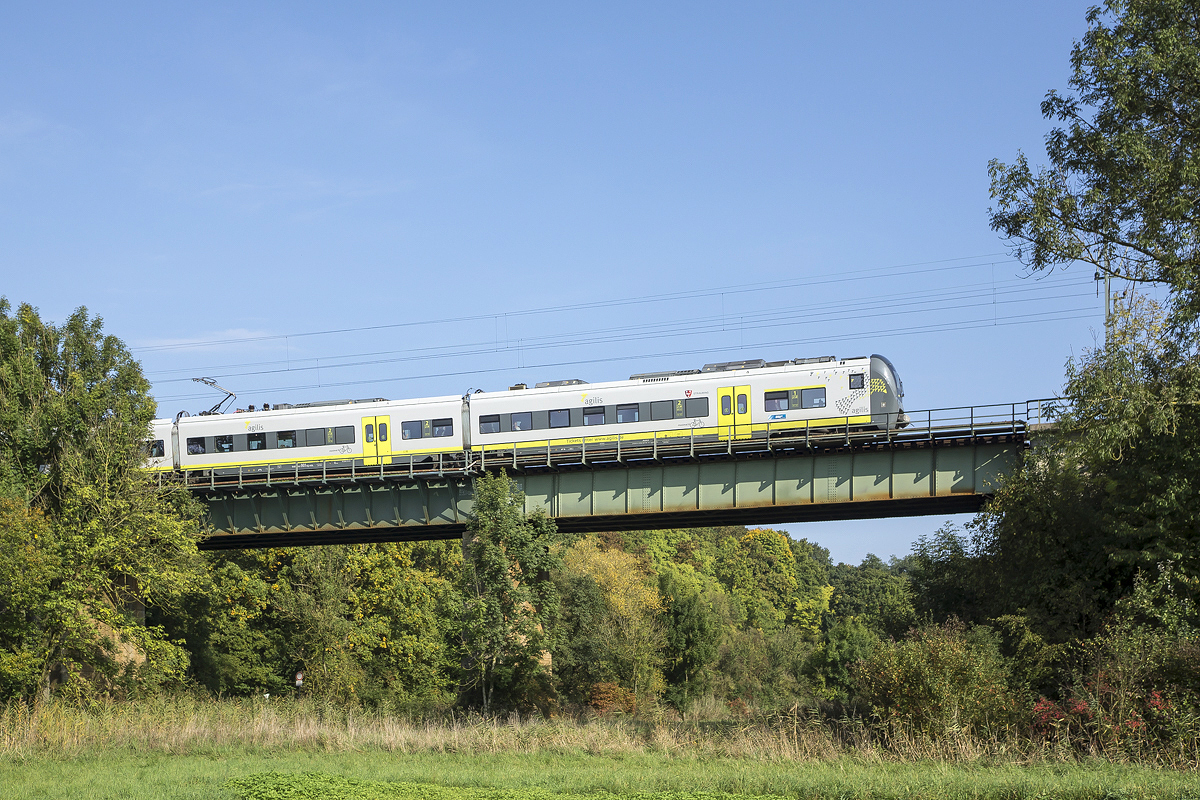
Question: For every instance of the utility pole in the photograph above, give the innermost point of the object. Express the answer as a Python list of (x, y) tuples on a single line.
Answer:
[(1107, 307), (1108, 312)]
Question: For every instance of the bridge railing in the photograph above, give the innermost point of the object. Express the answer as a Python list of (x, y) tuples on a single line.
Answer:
[(984, 417), (925, 428)]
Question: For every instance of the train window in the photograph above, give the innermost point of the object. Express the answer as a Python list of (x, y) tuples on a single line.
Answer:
[(856, 380), (594, 415), (775, 401), (383, 431), (743, 406), (285, 439), (696, 406), (368, 433), (195, 447), (155, 449), (489, 423), (343, 434), (726, 405), (314, 436), (662, 409), (256, 441), (522, 421), (812, 398), (410, 430), (626, 413), (223, 444), (560, 418), (443, 427)]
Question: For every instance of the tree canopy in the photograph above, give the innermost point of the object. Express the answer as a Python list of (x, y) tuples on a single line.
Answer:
[(88, 538), (1121, 189), (510, 601)]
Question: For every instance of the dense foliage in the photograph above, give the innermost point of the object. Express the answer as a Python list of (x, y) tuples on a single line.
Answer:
[(88, 541), (1120, 190)]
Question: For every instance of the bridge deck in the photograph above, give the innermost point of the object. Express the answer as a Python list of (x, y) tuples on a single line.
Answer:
[(944, 461)]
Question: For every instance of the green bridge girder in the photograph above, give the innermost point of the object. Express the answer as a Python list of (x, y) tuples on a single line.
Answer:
[(951, 469)]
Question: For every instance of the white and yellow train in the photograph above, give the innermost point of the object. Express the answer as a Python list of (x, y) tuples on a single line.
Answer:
[(735, 400)]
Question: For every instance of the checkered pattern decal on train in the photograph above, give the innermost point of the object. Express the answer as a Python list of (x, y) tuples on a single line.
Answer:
[(846, 403), (879, 385)]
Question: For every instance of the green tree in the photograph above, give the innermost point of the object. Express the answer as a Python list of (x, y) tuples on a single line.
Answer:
[(949, 579), (1120, 190), (1114, 489), (814, 592), (98, 541), (510, 601), (580, 654), (695, 548), (630, 630), (759, 569), (363, 622), (692, 635), (402, 619), (847, 642), (874, 595), (237, 647)]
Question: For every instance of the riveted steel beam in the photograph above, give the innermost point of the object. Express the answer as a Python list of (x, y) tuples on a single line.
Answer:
[(771, 486)]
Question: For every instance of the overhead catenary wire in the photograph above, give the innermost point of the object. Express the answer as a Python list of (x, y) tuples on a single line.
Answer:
[(950, 297), (891, 301), (868, 308), (1063, 314), (842, 276)]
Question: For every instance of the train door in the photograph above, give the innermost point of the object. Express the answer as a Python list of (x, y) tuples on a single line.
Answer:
[(383, 439), (370, 445), (741, 412), (733, 412), (377, 445), (725, 412)]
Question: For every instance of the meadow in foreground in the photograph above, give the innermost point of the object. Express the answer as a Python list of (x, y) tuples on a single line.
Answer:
[(255, 750)]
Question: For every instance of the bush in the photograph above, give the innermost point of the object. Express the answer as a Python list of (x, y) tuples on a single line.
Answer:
[(764, 671), (609, 698), (1139, 682), (940, 680)]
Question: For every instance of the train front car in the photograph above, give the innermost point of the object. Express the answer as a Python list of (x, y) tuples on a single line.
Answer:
[(887, 395)]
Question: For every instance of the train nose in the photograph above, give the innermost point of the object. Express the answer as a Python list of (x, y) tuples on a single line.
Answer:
[(902, 420)]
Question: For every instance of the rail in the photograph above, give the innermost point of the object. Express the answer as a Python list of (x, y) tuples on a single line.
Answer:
[(925, 428)]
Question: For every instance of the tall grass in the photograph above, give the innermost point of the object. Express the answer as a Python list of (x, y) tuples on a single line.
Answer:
[(189, 726)]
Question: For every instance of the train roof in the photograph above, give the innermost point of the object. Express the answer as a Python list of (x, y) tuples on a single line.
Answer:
[(551, 387), (709, 371), (284, 410)]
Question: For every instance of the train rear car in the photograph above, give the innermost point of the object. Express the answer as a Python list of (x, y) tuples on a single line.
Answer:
[(320, 436)]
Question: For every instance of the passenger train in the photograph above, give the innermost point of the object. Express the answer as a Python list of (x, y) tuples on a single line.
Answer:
[(736, 400)]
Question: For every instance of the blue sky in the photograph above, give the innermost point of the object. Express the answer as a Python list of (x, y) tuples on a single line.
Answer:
[(309, 201)]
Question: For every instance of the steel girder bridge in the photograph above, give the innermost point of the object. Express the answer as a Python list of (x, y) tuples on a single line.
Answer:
[(944, 461)]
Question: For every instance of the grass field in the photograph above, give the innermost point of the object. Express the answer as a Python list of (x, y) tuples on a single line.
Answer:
[(245, 750), (365, 776)]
